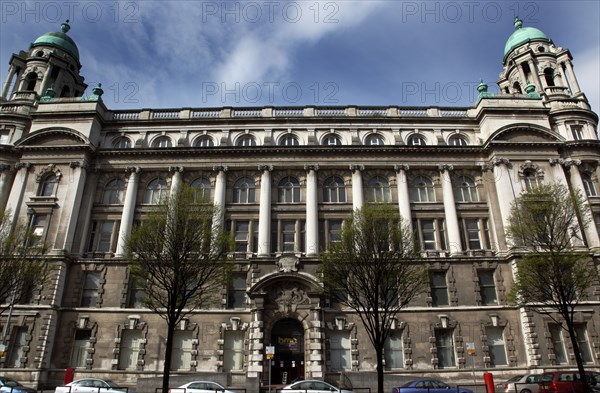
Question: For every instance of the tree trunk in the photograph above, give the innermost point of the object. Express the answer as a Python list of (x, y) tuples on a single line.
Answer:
[(578, 360), (168, 350), (379, 352)]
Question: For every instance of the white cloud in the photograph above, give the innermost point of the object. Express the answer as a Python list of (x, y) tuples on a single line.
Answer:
[(587, 69)]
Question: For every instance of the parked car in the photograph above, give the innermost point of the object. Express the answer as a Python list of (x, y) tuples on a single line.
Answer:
[(8, 385), (428, 385), (91, 385), (527, 383), (566, 381), (314, 386), (200, 387)]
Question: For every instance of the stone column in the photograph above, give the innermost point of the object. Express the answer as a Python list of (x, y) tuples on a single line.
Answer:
[(536, 76), (403, 196), (220, 189), (312, 213), (523, 81), (563, 77), (591, 233), (357, 186), (11, 73), (17, 191), (454, 243), (504, 188), (128, 208), (176, 180), (44, 84), (572, 78), (264, 221), (6, 176), (72, 203)]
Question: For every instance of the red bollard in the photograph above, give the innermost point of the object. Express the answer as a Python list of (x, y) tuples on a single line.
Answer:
[(69, 375), (488, 378)]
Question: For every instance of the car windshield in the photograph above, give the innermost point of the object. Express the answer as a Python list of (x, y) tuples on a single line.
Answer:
[(10, 382)]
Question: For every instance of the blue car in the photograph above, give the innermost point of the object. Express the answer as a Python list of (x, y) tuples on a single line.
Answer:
[(428, 385), (8, 385)]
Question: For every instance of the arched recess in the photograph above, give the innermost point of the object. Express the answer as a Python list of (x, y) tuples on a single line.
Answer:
[(56, 136), (524, 132)]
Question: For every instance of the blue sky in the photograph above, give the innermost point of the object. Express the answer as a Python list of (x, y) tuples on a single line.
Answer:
[(170, 54)]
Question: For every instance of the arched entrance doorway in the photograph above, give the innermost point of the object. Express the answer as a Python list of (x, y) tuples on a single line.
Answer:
[(287, 336)]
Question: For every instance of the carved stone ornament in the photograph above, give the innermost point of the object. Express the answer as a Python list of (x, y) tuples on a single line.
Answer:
[(288, 299), (288, 264)]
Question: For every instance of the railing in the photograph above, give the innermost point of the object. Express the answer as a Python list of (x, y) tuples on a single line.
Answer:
[(453, 113), (372, 112), (206, 113), (126, 115), (331, 112), (413, 112), (170, 114), (247, 113), (288, 112)]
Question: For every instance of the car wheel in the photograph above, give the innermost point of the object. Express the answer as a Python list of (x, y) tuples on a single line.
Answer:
[(525, 391)]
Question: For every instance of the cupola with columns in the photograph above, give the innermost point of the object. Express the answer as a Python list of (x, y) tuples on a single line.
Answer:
[(51, 64), (531, 58)]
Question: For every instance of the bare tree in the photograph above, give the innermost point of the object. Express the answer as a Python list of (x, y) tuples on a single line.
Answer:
[(180, 250), (372, 270), (23, 264), (553, 276)]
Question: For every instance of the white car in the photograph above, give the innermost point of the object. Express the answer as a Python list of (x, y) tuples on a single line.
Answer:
[(200, 387), (91, 385), (313, 386)]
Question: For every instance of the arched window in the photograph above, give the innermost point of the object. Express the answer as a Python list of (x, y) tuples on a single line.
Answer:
[(416, 140), (517, 88), (121, 143), (289, 140), (162, 142), (113, 192), (530, 180), (244, 191), (204, 141), (288, 190), (30, 81), (156, 191), (378, 190), (332, 140), (201, 188), (457, 140), (465, 189), (48, 186), (588, 185), (334, 190), (421, 190), (65, 92), (246, 140), (549, 77), (375, 140)]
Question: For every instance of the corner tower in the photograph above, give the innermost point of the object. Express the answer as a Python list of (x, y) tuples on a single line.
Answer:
[(531, 58), (52, 62)]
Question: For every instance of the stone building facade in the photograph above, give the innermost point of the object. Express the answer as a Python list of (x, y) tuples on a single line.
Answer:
[(82, 174)]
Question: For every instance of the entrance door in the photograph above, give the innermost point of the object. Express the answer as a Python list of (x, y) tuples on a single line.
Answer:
[(287, 337)]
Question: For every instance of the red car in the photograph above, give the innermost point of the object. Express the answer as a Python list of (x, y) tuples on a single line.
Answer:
[(565, 381)]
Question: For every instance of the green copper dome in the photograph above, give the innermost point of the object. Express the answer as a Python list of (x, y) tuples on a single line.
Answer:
[(523, 35), (59, 40)]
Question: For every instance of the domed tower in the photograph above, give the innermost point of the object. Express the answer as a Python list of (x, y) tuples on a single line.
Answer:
[(530, 58), (51, 62)]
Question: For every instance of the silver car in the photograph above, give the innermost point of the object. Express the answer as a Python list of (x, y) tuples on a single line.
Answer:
[(521, 384), (200, 387), (91, 385), (313, 386)]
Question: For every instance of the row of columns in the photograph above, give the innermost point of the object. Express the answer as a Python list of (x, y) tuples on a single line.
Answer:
[(540, 82)]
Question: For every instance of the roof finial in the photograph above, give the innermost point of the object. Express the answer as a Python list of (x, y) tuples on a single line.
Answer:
[(65, 27), (518, 23)]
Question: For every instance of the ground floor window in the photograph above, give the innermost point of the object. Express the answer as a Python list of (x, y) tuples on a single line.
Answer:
[(181, 356), (130, 349), (394, 350), (444, 340), (339, 350), (233, 350), (497, 350)]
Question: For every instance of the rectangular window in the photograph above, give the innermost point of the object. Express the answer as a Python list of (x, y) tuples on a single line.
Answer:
[(394, 351), (103, 236), (91, 284), (431, 234), (439, 289), (339, 350), (130, 349), (428, 241), (136, 293), (471, 231), (577, 132), (288, 234), (236, 295), (597, 221), (487, 287), (329, 232), (233, 350), (444, 341), (241, 236), (81, 345), (558, 345), (18, 347), (181, 356), (495, 341), (583, 342), (38, 227), (3, 137)]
